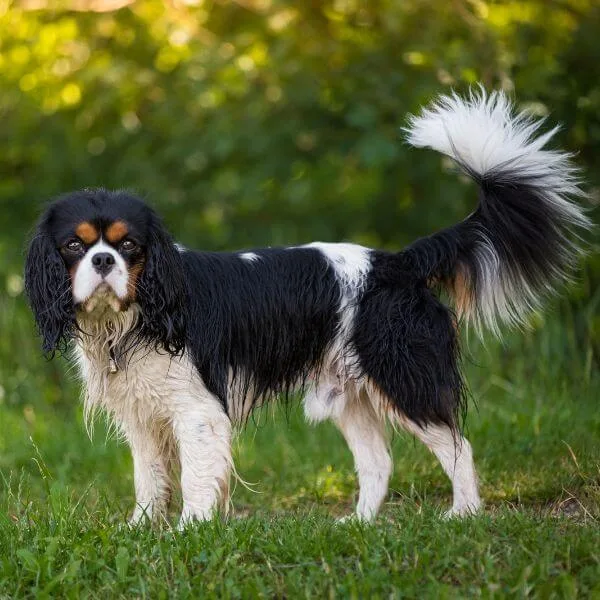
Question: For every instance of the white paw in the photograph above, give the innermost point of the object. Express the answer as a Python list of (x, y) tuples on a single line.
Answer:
[(140, 516), (462, 511), (347, 519), (189, 517), (355, 518)]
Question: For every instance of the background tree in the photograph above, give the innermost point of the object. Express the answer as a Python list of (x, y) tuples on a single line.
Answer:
[(269, 122)]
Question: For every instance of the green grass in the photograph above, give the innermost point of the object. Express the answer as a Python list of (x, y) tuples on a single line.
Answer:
[(535, 430)]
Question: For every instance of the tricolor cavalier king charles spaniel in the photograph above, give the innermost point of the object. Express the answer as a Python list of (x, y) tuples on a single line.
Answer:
[(179, 346)]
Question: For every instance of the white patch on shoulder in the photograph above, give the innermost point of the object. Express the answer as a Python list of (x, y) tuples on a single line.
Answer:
[(180, 247), (249, 256), (351, 262)]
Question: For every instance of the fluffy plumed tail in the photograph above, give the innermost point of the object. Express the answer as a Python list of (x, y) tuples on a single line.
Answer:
[(521, 240)]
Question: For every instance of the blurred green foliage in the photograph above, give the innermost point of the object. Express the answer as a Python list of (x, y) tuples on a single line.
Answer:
[(264, 122)]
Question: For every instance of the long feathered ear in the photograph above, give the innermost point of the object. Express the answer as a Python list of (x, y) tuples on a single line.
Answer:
[(48, 288), (162, 292)]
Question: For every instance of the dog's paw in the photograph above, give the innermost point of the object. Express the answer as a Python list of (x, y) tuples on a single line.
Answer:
[(136, 521), (463, 511), (352, 518), (190, 516), (140, 517), (355, 518)]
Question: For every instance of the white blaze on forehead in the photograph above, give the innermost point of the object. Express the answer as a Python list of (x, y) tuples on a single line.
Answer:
[(86, 279)]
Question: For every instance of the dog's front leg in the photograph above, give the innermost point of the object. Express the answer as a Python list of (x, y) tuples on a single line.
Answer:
[(203, 434), (150, 473)]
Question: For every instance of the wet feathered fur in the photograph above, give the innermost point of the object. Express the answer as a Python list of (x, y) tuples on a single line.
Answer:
[(205, 337)]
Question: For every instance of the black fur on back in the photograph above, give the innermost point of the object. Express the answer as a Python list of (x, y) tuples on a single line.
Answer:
[(406, 342), (269, 320)]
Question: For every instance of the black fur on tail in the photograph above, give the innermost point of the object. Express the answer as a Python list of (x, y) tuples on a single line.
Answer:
[(521, 241), (497, 265)]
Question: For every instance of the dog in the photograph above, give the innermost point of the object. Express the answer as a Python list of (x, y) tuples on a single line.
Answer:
[(179, 346)]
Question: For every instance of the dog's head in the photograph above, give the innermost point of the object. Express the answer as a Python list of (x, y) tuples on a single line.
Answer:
[(97, 252)]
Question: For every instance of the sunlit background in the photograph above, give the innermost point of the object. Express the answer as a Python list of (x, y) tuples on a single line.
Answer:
[(264, 122)]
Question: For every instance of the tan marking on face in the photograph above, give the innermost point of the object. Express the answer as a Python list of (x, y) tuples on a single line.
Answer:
[(116, 232), (73, 272), (87, 233), (134, 273)]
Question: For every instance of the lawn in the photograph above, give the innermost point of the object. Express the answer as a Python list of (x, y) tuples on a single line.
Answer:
[(534, 425)]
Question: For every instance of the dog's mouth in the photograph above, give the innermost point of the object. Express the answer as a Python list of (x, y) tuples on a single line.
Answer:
[(102, 300)]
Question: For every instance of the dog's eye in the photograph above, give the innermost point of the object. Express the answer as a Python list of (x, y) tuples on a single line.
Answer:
[(74, 246), (128, 245)]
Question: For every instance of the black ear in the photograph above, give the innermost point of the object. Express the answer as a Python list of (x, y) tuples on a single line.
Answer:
[(162, 292), (48, 288)]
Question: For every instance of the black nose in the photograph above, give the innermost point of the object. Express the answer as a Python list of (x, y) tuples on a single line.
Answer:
[(103, 262)]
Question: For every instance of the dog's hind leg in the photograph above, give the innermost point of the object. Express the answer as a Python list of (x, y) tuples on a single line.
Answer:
[(366, 437), (456, 457)]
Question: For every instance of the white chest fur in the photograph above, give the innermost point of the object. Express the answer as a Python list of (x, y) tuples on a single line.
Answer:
[(144, 387), (162, 408)]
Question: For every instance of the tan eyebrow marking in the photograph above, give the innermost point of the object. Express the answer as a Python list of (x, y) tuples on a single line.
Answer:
[(87, 233), (116, 231)]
